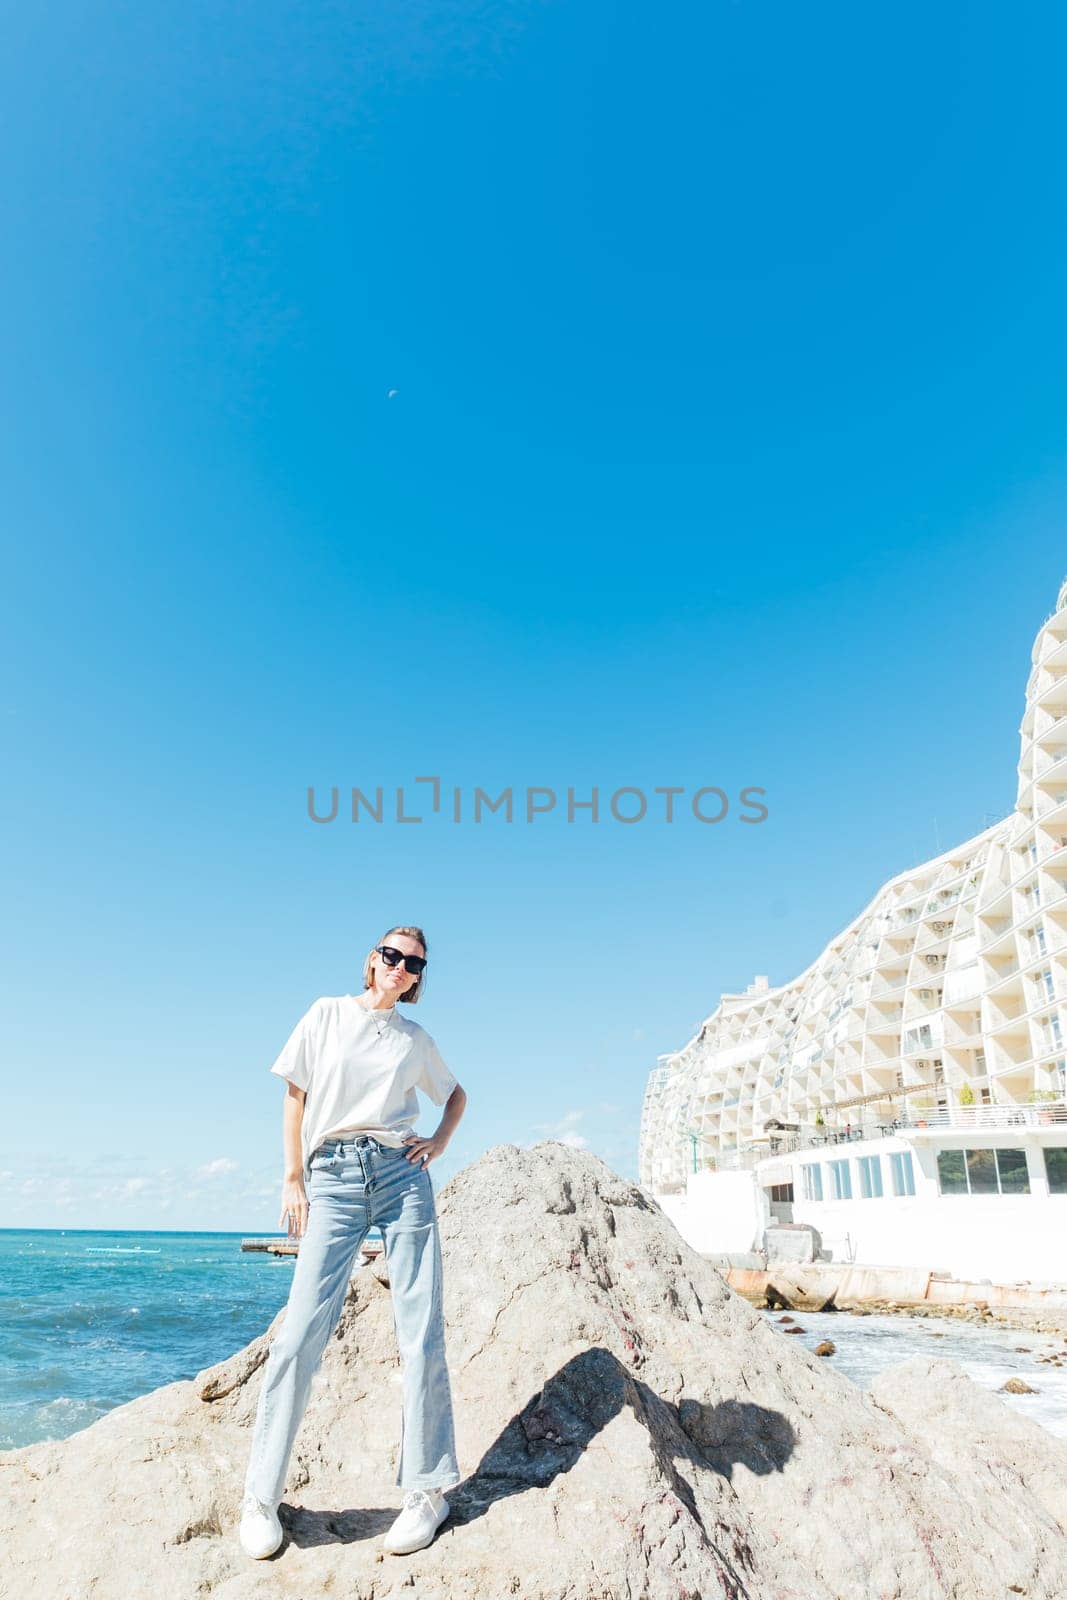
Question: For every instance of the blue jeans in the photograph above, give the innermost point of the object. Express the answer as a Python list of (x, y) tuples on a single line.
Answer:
[(356, 1183)]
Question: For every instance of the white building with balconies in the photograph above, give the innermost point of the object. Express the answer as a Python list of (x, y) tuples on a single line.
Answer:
[(906, 1096)]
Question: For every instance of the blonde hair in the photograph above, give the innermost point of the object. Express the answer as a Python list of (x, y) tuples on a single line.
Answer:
[(411, 995)]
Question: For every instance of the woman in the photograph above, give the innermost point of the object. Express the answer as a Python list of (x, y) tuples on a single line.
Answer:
[(353, 1065)]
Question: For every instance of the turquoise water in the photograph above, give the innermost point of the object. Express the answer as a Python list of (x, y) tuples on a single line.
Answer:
[(91, 1320)]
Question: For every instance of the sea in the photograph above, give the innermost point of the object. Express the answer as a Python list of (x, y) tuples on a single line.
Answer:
[(90, 1320)]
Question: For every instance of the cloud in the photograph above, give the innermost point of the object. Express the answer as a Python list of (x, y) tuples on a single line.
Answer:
[(563, 1130), (613, 1135), (215, 1169), (557, 1130), (132, 1189)]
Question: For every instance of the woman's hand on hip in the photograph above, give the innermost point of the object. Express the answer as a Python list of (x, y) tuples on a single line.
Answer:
[(420, 1152), (295, 1207)]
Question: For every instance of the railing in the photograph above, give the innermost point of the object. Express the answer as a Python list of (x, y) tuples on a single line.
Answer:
[(1040, 1114)]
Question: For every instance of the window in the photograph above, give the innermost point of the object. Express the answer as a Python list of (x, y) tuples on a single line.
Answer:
[(811, 1180), (1039, 938), (951, 1172), (1046, 979), (900, 1167), (1012, 1170), (870, 1177), (982, 1172), (1056, 1168), (841, 1180)]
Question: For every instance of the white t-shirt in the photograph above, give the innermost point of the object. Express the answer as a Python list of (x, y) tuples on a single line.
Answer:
[(355, 1081)]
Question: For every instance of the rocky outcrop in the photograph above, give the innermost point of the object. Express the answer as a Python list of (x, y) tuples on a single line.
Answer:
[(950, 1416), (630, 1429)]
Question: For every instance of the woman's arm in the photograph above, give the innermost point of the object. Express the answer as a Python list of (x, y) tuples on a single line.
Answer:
[(294, 1198), (454, 1108), (420, 1152), (292, 1124)]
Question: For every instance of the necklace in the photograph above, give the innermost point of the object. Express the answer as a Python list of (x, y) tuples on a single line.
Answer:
[(381, 1026)]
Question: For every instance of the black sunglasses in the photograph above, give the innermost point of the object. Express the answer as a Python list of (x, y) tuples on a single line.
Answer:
[(393, 958)]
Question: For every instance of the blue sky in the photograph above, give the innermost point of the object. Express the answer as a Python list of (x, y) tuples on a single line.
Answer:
[(726, 449)]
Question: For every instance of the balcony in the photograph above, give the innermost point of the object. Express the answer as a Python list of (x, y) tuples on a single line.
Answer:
[(963, 1033), (1044, 1113), (1048, 1113)]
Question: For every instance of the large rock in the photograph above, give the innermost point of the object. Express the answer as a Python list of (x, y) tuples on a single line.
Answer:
[(628, 1425), (949, 1416)]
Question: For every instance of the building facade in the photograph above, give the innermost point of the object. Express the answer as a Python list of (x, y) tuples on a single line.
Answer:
[(906, 1095)]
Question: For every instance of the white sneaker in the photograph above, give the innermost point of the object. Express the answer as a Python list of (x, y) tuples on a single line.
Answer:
[(261, 1532), (422, 1514)]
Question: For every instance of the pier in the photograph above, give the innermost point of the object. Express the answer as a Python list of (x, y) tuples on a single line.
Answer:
[(281, 1245)]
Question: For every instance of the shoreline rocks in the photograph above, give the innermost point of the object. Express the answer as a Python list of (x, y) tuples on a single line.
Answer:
[(1030, 1320), (836, 1286)]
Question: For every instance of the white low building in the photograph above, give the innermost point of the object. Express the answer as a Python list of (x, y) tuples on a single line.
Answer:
[(906, 1096)]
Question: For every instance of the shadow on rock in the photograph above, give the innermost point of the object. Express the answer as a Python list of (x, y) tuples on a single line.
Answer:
[(549, 1434)]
